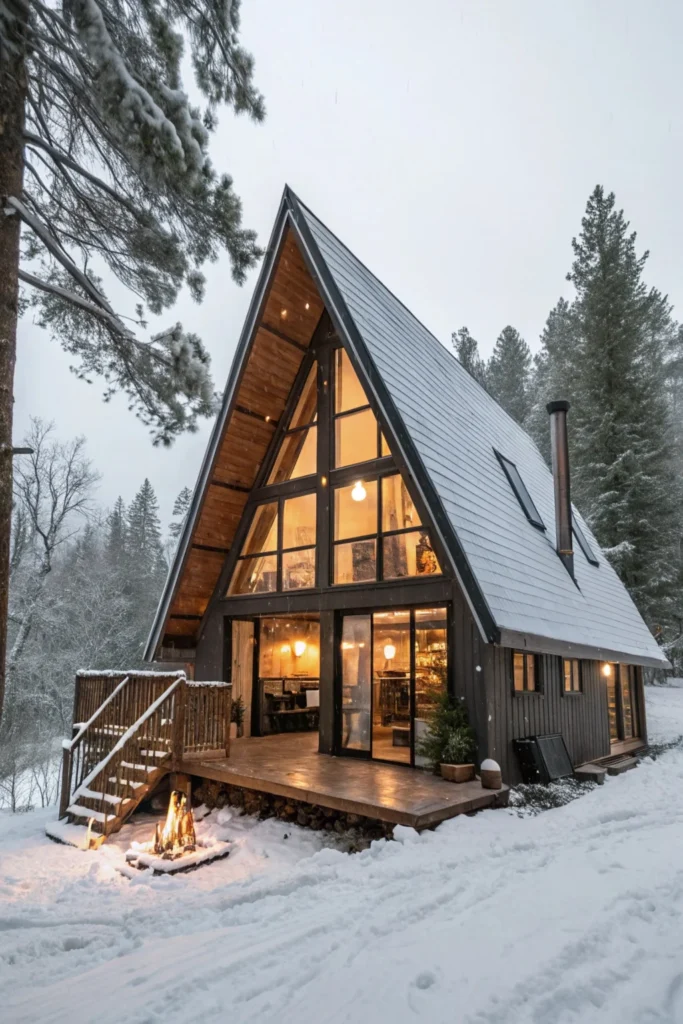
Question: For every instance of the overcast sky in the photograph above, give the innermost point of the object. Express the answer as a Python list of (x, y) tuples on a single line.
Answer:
[(452, 145)]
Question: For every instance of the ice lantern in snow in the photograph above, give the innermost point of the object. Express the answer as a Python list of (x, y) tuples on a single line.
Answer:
[(176, 835)]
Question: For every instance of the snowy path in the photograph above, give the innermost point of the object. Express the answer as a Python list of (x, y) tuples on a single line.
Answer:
[(575, 915)]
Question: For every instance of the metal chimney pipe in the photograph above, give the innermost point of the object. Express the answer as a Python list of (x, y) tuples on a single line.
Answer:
[(563, 505)]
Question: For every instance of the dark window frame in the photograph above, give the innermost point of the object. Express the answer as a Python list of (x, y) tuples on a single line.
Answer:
[(378, 536), (538, 681), (336, 416), (572, 692), (279, 500), (583, 543), (520, 491)]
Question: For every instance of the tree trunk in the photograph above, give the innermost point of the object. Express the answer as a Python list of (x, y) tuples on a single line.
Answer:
[(13, 89)]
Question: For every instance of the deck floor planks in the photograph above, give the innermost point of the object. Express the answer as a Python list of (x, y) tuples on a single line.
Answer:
[(290, 766)]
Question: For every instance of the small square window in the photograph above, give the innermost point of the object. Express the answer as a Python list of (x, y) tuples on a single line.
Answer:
[(524, 672)]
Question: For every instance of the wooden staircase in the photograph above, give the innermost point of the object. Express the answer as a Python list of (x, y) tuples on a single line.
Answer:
[(144, 724)]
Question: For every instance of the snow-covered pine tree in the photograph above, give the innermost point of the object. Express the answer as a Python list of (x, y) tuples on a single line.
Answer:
[(181, 507), (104, 161), (623, 475), (115, 544), (552, 375), (467, 351), (508, 373)]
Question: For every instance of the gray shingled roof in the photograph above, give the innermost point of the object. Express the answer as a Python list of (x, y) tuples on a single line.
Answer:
[(454, 426)]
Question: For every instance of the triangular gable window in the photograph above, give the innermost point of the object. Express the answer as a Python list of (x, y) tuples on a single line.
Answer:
[(297, 456)]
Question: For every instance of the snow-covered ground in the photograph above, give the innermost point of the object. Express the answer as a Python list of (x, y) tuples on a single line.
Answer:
[(573, 915)]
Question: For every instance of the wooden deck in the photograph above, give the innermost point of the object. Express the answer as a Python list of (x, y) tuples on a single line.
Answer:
[(290, 766)]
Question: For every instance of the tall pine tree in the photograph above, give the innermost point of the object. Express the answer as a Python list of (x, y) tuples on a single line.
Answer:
[(467, 351), (508, 373), (181, 507), (607, 353)]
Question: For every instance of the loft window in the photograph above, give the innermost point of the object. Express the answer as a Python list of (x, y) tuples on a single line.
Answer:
[(524, 672), (297, 455), (571, 672), (378, 533), (279, 551), (521, 493), (357, 436), (583, 542)]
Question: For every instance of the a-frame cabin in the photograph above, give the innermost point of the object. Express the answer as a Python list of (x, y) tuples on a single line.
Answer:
[(370, 528)]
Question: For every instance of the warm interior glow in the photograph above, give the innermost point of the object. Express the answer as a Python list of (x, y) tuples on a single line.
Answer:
[(176, 836), (299, 647), (607, 670), (307, 306), (359, 493), (283, 314), (285, 649), (389, 651), (347, 645)]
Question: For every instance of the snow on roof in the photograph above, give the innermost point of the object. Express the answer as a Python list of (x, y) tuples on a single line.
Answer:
[(456, 428)]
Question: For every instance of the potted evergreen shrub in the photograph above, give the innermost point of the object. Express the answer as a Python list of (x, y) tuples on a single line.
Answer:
[(236, 718), (448, 746)]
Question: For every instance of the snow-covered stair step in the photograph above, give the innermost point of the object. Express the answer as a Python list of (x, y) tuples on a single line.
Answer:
[(85, 812), (125, 782), (109, 797), (154, 753), (139, 767)]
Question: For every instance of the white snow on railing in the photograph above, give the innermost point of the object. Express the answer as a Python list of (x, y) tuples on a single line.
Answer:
[(200, 682), (109, 673), (126, 736), (69, 744)]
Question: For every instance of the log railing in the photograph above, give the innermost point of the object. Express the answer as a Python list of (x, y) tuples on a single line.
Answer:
[(133, 725)]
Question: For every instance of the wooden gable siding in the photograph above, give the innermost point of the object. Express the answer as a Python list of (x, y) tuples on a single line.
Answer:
[(581, 718), (266, 380)]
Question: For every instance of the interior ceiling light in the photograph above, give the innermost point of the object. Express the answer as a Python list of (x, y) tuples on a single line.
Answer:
[(358, 493), (285, 649), (299, 647), (307, 306), (607, 670), (283, 314), (389, 651)]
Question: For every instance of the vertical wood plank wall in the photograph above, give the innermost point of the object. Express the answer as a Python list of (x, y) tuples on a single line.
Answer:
[(498, 715), (581, 718)]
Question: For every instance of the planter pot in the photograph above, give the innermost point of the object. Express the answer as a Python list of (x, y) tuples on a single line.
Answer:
[(491, 779), (233, 730), (457, 772)]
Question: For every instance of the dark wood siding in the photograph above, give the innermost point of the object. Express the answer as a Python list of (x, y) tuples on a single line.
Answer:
[(581, 718)]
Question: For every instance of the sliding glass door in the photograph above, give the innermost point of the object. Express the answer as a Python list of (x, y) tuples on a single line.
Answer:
[(394, 669)]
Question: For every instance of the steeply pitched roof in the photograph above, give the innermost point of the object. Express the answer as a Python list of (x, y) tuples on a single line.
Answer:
[(449, 428)]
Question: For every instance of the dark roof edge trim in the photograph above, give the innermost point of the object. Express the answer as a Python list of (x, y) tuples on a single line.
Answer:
[(346, 326), (543, 645), (183, 549)]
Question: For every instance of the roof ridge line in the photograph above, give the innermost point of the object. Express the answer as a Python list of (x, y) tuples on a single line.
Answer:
[(400, 302)]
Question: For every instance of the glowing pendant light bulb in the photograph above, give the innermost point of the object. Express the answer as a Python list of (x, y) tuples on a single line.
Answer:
[(389, 651), (299, 647), (358, 493)]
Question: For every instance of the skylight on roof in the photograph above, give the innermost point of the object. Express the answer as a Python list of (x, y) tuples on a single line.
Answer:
[(583, 542), (521, 493)]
